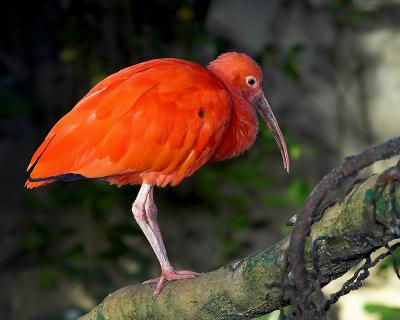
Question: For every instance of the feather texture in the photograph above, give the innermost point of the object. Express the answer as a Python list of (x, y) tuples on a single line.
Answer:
[(156, 122)]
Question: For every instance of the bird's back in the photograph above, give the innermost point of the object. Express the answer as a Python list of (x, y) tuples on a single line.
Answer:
[(155, 122)]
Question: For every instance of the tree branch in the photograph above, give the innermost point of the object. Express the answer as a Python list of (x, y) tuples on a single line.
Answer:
[(302, 289), (366, 219)]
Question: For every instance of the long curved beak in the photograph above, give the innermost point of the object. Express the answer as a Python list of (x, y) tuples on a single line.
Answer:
[(260, 103)]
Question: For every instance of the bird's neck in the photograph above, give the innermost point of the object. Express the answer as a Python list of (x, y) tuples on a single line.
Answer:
[(241, 132)]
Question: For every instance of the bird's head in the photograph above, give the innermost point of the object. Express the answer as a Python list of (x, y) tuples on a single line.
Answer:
[(243, 78)]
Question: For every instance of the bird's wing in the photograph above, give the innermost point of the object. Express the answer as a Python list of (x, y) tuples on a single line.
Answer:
[(165, 116)]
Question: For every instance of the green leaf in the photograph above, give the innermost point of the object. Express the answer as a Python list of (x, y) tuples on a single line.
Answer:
[(385, 312)]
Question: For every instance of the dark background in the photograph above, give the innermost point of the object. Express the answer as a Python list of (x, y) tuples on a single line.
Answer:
[(332, 76)]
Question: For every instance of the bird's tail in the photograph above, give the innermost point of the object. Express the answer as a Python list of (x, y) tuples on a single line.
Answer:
[(30, 183), (34, 184)]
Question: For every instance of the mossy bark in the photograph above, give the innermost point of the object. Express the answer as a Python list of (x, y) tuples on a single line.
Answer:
[(250, 287)]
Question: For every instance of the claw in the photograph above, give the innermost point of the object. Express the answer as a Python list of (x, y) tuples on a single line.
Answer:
[(170, 275)]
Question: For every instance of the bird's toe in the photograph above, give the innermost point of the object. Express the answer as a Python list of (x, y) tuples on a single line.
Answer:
[(171, 275)]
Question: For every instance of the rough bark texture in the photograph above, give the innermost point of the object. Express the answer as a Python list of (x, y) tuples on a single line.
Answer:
[(250, 287)]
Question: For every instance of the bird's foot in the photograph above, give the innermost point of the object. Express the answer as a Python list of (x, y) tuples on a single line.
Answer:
[(170, 275)]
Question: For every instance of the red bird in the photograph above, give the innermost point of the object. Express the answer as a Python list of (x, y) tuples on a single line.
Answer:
[(156, 123)]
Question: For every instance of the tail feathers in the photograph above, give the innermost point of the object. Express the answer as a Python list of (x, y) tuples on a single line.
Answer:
[(38, 182), (38, 154), (31, 184)]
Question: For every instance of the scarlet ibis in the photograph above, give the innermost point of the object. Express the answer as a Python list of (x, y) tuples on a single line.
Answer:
[(156, 123)]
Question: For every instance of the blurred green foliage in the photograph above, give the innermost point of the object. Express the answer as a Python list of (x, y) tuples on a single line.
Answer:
[(291, 65), (383, 312), (13, 104)]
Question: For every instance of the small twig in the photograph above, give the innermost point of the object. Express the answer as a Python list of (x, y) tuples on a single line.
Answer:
[(355, 282)]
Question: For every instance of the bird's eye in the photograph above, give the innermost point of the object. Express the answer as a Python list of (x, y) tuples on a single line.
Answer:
[(251, 81)]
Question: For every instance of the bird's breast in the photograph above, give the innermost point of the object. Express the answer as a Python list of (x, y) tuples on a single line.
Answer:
[(240, 133)]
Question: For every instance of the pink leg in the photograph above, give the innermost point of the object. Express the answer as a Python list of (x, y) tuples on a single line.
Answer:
[(145, 212)]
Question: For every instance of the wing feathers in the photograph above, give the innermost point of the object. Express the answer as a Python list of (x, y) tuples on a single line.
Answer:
[(157, 122)]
